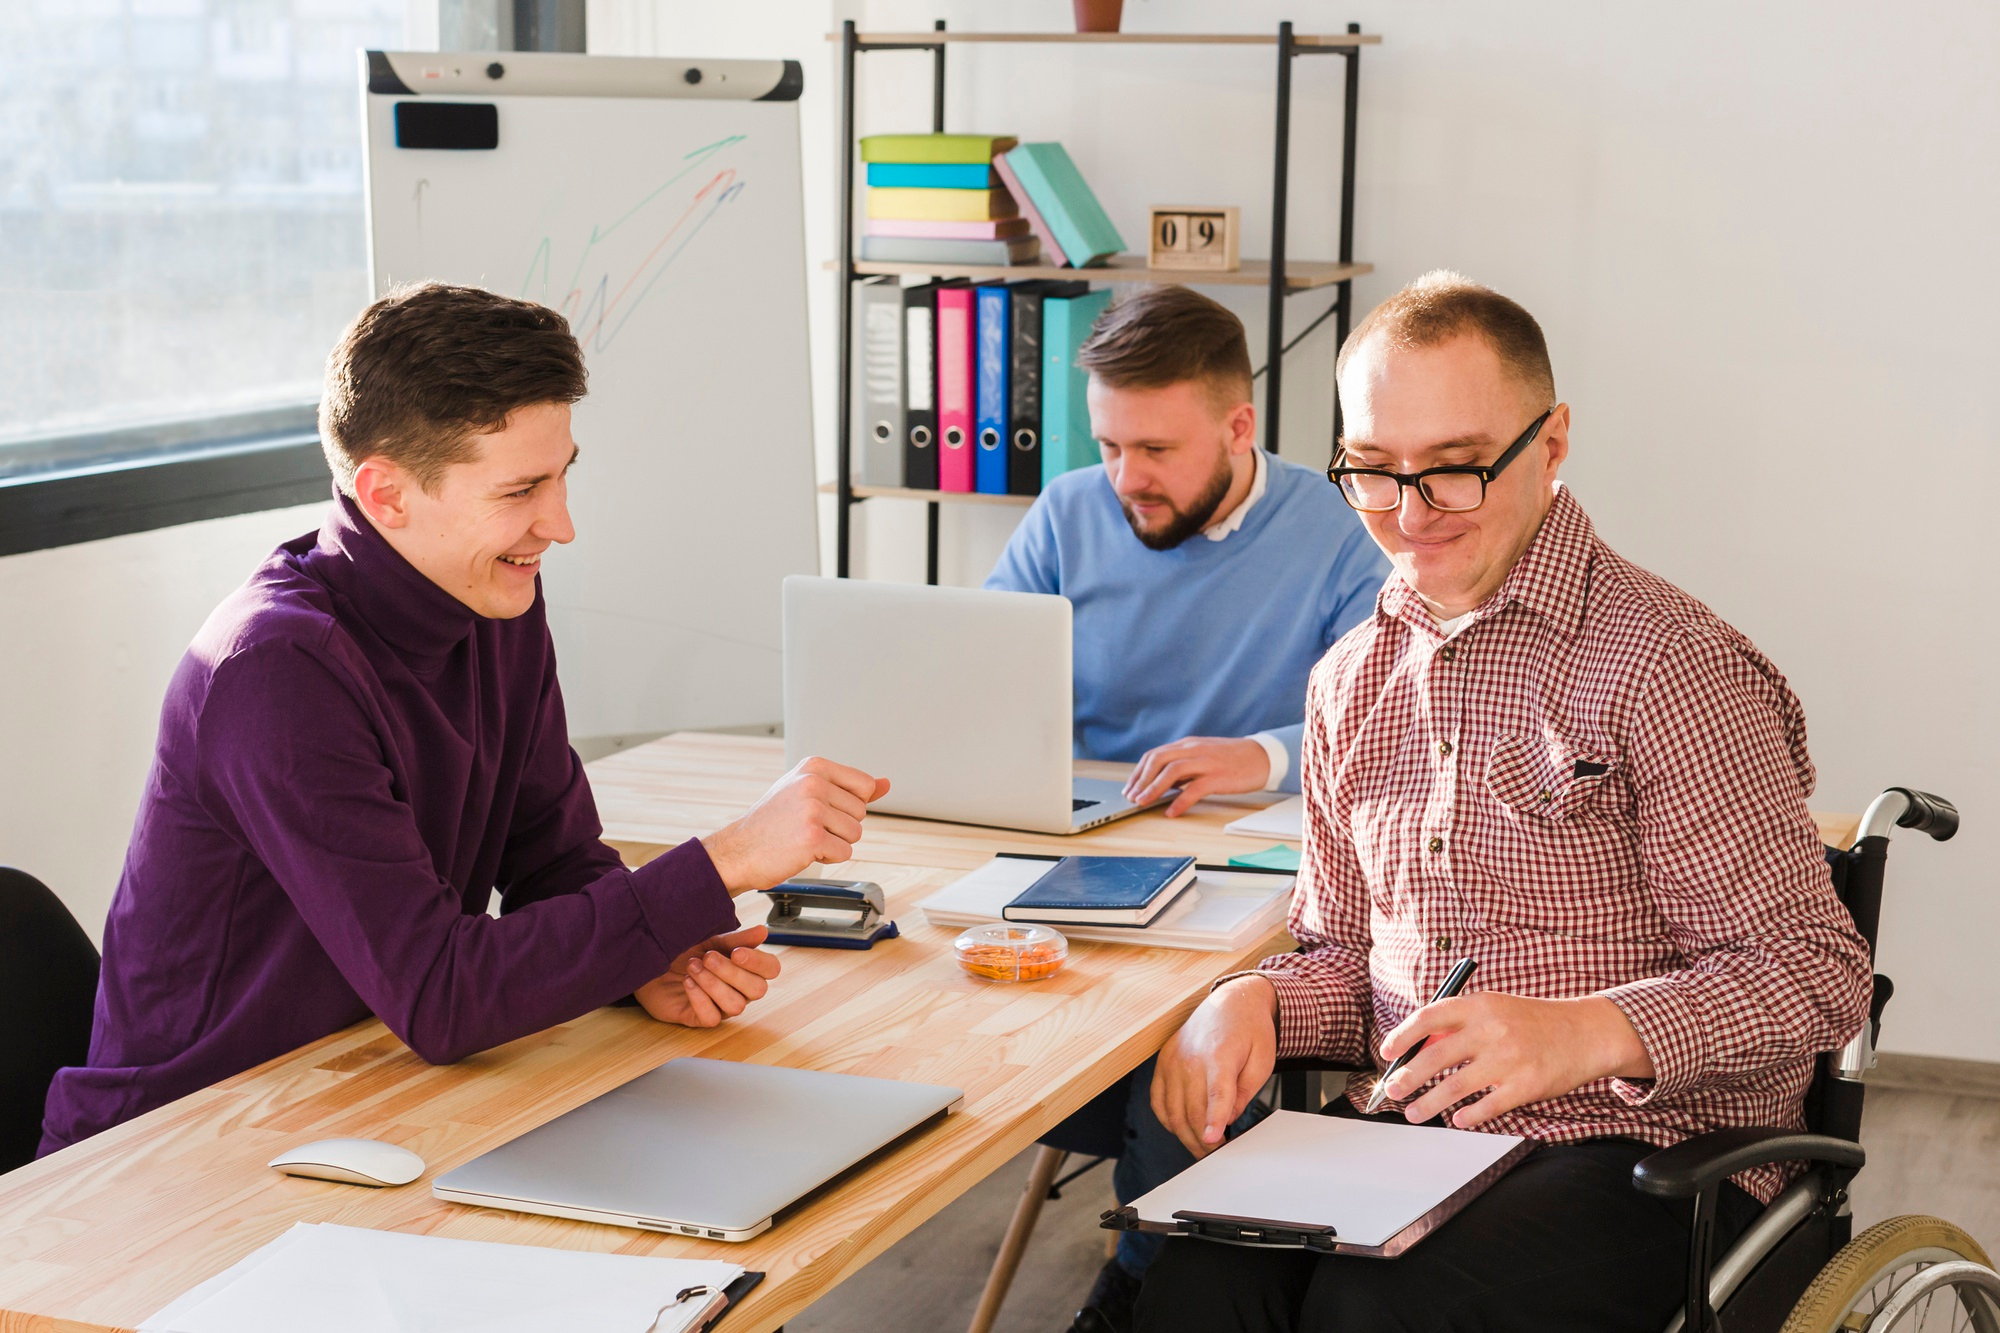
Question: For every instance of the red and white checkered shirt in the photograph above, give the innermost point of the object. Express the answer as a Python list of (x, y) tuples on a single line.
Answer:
[(1595, 787)]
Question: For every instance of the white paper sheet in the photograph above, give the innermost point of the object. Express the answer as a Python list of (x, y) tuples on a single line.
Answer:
[(1365, 1179), (1218, 911), (334, 1279), (1285, 820)]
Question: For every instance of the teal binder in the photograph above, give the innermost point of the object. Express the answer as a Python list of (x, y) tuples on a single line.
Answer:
[(1066, 439), (1066, 204)]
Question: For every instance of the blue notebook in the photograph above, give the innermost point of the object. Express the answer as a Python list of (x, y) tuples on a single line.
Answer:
[(993, 349), (1103, 891)]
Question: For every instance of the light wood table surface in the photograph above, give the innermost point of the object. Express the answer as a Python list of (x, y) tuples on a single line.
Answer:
[(678, 787), (103, 1234)]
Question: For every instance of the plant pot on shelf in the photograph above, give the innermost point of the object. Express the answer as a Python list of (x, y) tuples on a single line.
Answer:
[(1098, 15)]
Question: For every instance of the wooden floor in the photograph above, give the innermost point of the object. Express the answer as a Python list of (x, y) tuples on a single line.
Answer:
[(1927, 1153)]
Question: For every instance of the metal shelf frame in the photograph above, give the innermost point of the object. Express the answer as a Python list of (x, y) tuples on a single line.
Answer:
[(853, 45)]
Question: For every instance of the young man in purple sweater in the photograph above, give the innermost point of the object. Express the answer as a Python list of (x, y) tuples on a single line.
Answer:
[(367, 739)]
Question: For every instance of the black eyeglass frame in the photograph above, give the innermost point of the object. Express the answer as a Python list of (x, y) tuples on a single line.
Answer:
[(1334, 472)]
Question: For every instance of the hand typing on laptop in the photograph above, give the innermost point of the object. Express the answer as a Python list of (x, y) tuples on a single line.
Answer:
[(1200, 766)]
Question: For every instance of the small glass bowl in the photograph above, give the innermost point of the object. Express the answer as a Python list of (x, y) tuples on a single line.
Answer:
[(1003, 951)]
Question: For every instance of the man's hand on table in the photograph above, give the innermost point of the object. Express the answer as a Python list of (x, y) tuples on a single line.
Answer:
[(812, 815), (1513, 1049), (1200, 766), (714, 980), (1209, 1070)]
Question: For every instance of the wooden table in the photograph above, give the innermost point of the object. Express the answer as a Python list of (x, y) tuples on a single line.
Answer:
[(103, 1234)]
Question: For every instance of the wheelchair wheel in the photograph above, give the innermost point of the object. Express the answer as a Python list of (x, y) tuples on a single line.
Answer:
[(1910, 1274)]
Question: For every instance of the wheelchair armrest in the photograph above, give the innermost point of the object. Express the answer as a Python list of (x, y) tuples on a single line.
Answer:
[(1700, 1163)]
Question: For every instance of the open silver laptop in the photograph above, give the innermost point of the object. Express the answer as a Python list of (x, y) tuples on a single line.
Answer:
[(709, 1148), (960, 697)]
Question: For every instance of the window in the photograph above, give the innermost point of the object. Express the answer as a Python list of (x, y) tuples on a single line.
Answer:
[(181, 220)]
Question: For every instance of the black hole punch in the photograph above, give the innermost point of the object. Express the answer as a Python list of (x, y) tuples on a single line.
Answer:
[(495, 70), (692, 75)]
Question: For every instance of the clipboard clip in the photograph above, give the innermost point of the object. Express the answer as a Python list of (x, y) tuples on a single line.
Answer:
[(1255, 1231)]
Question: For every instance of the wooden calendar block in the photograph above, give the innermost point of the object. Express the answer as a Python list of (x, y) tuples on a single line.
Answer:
[(1195, 239)]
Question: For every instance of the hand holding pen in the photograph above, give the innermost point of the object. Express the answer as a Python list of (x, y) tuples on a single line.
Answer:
[(1489, 1052), (1453, 984)]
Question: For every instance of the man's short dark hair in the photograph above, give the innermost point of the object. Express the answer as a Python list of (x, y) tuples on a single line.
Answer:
[(422, 371), (1443, 305), (1159, 336)]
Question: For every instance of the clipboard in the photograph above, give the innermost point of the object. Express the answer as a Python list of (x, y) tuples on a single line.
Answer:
[(1418, 1205), (730, 1295)]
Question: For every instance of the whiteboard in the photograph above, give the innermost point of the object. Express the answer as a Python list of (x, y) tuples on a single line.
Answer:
[(669, 230)]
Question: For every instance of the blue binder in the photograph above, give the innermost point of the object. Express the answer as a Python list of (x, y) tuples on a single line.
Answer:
[(1066, 439), (993, 344)]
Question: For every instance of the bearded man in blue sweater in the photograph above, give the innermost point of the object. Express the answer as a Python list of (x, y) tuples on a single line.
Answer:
[(1207, 577)]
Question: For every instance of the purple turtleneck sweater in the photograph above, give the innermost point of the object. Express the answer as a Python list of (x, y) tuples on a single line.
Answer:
[(350, 760)]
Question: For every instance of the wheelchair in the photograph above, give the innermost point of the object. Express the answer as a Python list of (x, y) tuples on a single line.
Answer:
[(1799, 1268)]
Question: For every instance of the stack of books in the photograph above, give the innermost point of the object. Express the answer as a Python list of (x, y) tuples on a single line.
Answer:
[(972, 388), (1061, 211), (936, 199)]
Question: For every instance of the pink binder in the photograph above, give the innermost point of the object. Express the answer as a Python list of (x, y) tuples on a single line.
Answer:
[(954, 383), (1052, 252)]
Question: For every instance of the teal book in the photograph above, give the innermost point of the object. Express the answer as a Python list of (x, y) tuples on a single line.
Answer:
[(1059, 194), (1066, 439)]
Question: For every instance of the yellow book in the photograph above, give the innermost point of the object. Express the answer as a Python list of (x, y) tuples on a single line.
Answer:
[(920, 205)]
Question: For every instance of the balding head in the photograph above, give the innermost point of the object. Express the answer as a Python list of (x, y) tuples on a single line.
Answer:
[(1441, 306)]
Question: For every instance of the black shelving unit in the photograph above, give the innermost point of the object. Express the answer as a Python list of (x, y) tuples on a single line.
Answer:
[(1284, 279)]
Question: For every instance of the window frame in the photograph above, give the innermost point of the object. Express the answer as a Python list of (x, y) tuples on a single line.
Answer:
[(59, 490)]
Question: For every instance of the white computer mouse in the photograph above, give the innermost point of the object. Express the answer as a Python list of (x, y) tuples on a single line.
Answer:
[(351, 1162)]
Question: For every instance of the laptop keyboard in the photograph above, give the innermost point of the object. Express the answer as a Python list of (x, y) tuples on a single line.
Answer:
[(1077, 803)]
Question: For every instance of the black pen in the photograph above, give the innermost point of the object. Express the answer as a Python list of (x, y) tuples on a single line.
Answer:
[(1453, 984)]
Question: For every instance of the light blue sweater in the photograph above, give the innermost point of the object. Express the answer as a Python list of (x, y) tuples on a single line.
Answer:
[(1212, 638)]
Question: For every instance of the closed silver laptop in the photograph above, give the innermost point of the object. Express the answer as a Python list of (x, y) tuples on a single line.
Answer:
[(959, 696), (709, 1148)]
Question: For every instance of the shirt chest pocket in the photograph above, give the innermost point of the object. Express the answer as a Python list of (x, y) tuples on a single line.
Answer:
[(1543, 781)]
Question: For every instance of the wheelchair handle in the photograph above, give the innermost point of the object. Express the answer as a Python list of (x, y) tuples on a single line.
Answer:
[(1906, 807)]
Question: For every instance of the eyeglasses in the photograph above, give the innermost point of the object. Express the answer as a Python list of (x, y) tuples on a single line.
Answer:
[(1454, 490)]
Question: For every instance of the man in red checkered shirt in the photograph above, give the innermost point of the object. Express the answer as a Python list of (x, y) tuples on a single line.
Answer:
[(1542, 757)]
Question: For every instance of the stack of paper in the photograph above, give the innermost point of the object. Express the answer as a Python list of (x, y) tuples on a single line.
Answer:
[(1286, 819), (1219, 911), (332, 1279)]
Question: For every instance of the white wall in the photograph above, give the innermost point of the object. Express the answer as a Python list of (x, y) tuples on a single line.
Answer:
[(93, 634), (1759, 238)]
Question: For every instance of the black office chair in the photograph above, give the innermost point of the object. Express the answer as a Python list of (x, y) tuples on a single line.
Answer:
[(1799, 1268), (48, 989)]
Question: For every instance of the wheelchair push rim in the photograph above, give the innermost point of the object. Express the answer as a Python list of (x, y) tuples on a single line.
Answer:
[(1911, 1274)]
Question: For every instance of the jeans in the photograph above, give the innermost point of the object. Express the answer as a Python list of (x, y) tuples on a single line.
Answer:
[(1119, 1123)]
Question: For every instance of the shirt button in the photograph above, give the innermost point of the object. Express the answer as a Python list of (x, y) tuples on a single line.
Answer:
[(1544, 796), (1447, 652), (1436, 844), (1444, 747), (1443, 942)]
